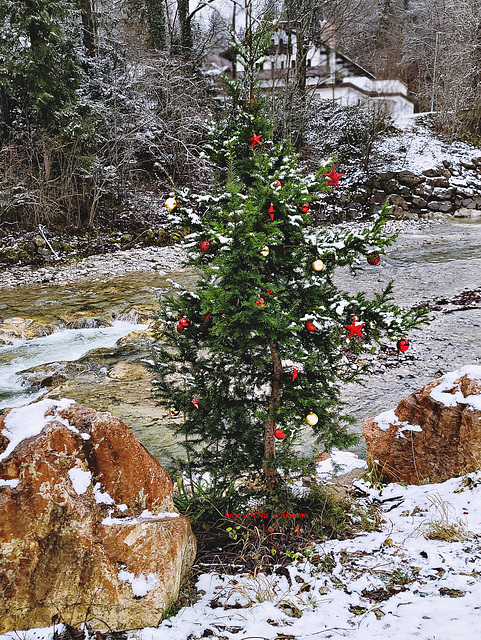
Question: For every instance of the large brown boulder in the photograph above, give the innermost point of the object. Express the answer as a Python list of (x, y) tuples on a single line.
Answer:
[(88, 528), (433, 434)]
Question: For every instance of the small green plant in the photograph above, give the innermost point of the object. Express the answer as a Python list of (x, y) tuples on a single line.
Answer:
[(399, 579), (365, 517), (327, 513), (206, 503), (328, 562)]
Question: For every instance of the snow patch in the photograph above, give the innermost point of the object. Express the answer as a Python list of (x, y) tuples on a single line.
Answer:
[(145, 516), (81, 480), (387, 418), (141, 585), (102, 497), (339, 463), (9, 483), (442, 392), (28, 421)]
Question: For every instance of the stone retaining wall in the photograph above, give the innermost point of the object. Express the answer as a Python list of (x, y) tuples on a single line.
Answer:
[(433, 194)]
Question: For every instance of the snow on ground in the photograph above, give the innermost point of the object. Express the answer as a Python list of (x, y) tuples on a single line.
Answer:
[(393, 584), (338, 463)]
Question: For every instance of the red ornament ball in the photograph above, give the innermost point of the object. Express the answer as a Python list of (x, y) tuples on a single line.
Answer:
[(403, 345), (374, 258), (279, 434), (183, 323), (305, 207), (204, 246), (310, 326), (261, 302)]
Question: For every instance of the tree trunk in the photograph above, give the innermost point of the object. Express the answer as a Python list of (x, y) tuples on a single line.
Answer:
[(156, 21), (269, 438), (301, 69), (234, 52), (88, 26), (4, 113), (186, 39)]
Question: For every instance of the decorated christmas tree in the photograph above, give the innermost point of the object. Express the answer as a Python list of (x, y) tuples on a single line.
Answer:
[(257, 353)]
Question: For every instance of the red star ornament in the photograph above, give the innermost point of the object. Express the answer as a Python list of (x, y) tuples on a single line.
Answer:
[(355, 328), (195, 402), (255, 139), (294, 374), (271, 211), (333, 177)]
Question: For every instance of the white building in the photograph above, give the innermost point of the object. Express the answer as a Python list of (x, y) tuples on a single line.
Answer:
[(331, 75)]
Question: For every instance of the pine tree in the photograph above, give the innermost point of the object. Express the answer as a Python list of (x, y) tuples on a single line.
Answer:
[(261, 343)]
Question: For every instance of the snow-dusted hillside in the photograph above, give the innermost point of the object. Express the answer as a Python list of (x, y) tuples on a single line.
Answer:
[(416, 148)]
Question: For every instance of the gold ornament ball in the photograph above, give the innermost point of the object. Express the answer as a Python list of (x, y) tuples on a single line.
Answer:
[(312, 419), (170, 204), (265, 252), (318, 265)]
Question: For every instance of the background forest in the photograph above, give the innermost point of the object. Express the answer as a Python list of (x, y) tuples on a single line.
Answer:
[(103, 100)]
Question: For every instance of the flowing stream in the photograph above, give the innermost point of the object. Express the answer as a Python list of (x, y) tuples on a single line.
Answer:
[(104, 366)]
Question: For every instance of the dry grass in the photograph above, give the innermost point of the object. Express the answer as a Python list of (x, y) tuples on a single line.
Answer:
[(375, 473), (443, 524)]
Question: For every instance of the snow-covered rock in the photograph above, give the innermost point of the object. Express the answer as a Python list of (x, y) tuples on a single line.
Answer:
[(433, 434), (87, 526)]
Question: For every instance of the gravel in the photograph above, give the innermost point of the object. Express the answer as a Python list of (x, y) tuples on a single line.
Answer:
[(96, 267)]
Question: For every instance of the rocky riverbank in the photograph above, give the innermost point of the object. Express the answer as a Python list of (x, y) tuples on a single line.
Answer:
[(96, 267), (159, 260)]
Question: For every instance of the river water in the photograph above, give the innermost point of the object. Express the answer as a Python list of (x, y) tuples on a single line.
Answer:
[(427, 262)]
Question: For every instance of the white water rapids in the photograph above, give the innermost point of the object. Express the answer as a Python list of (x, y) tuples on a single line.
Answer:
[(62, 345)]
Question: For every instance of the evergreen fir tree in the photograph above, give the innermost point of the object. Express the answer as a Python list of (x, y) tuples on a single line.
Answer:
[(260, 344), (40, 63)]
